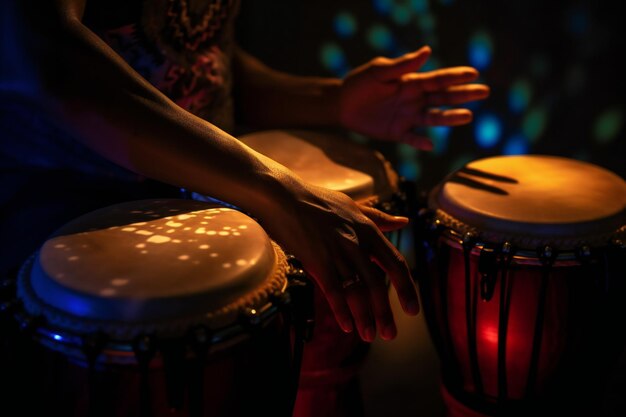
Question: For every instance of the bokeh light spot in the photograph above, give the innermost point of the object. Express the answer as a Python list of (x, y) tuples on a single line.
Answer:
[(380, 38), (439, 135), (519, 96), (608, 125), (534, 123), (419, 6), (409, 170), (401, 14), (488, 130), (516, 145), (345, 24), (333, 58), (383, 6), (480, 50)]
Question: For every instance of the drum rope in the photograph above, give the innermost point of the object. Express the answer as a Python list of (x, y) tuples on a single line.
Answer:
[(503, 321), (547, 257), (471, 307)]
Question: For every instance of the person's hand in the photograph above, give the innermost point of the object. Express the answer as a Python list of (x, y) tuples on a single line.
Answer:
[(387, 99), (342, 247)]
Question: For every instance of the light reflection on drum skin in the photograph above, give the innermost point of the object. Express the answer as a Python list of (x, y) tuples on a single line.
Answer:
[(221, 315)]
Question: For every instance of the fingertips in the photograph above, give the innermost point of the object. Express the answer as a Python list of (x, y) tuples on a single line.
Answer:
[(385, 222)]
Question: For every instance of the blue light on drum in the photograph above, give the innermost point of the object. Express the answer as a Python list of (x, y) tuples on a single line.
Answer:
[(345, 25), (488, 130), (516, 145), (480, 50)]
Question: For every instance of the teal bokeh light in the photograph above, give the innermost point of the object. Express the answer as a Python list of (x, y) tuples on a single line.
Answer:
[(519, 96), (333, 58), (488, 130), (345, 24), (380, 38), (534, 123)]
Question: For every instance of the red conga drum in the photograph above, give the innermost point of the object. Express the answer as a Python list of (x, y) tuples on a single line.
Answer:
[(524, 294), (332, 360), (157, 308)]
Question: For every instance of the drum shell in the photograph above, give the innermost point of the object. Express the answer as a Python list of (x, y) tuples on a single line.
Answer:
[(581, 327), (252, 375)]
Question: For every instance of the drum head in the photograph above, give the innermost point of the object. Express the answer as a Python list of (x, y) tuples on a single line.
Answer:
[(533, 200), (328, 160), (153, 265)]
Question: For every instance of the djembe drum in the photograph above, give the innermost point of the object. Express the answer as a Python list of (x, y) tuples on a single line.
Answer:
[(525, 291), (332, 359), (159, 308)]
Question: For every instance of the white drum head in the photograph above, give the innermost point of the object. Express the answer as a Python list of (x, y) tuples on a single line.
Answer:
[(533, 199)]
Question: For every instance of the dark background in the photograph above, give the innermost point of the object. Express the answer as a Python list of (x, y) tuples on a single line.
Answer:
[(554, 68)]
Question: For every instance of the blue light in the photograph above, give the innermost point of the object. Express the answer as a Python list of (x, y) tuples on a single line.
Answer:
[(578, 21), (383, 6), (488, 130), (345, 25), (57, 337), (431, 65), (439, 135), (480, 50), (516, 145), (409, 170), (519, 96)]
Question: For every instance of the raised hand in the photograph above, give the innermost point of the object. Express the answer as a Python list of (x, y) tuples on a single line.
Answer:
[(387, 99)]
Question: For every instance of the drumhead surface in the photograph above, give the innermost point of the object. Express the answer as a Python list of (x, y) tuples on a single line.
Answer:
[(533, 199), (328, 160), (153, 260)]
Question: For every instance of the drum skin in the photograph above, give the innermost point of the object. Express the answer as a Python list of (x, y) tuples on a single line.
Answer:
[(525, 285), (124, 312)]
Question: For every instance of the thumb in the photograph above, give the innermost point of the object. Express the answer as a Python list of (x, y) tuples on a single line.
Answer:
[(393, 69), (385, 222)]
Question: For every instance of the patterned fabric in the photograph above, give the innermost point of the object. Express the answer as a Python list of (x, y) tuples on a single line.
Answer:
[(183, 47)]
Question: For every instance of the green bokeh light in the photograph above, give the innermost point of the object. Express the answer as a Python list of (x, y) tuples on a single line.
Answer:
[(534, 123), (607, 125)]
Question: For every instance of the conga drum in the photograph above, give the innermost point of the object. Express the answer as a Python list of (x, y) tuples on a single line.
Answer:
[(524, 295), (329, 384), (157, 308)]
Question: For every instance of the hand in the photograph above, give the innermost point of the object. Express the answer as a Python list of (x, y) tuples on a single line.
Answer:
[(337, 241), (386, 99)]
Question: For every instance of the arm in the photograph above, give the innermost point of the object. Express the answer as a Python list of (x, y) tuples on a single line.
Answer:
[(384, 98), (85, 86)]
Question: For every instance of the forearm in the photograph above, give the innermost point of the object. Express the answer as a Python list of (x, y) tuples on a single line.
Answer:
[(91, 91), (268, 98)]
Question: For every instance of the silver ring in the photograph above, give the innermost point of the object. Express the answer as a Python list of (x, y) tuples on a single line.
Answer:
[(351, 282)]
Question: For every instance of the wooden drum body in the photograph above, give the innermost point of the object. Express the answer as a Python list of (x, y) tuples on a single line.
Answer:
[(525, 285), (156, 308)]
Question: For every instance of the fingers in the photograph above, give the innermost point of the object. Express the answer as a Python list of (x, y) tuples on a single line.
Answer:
[(439, 79), (393, 263), (328, 278), (457, 94), (382, 220), (385, 69), (436, 117)]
